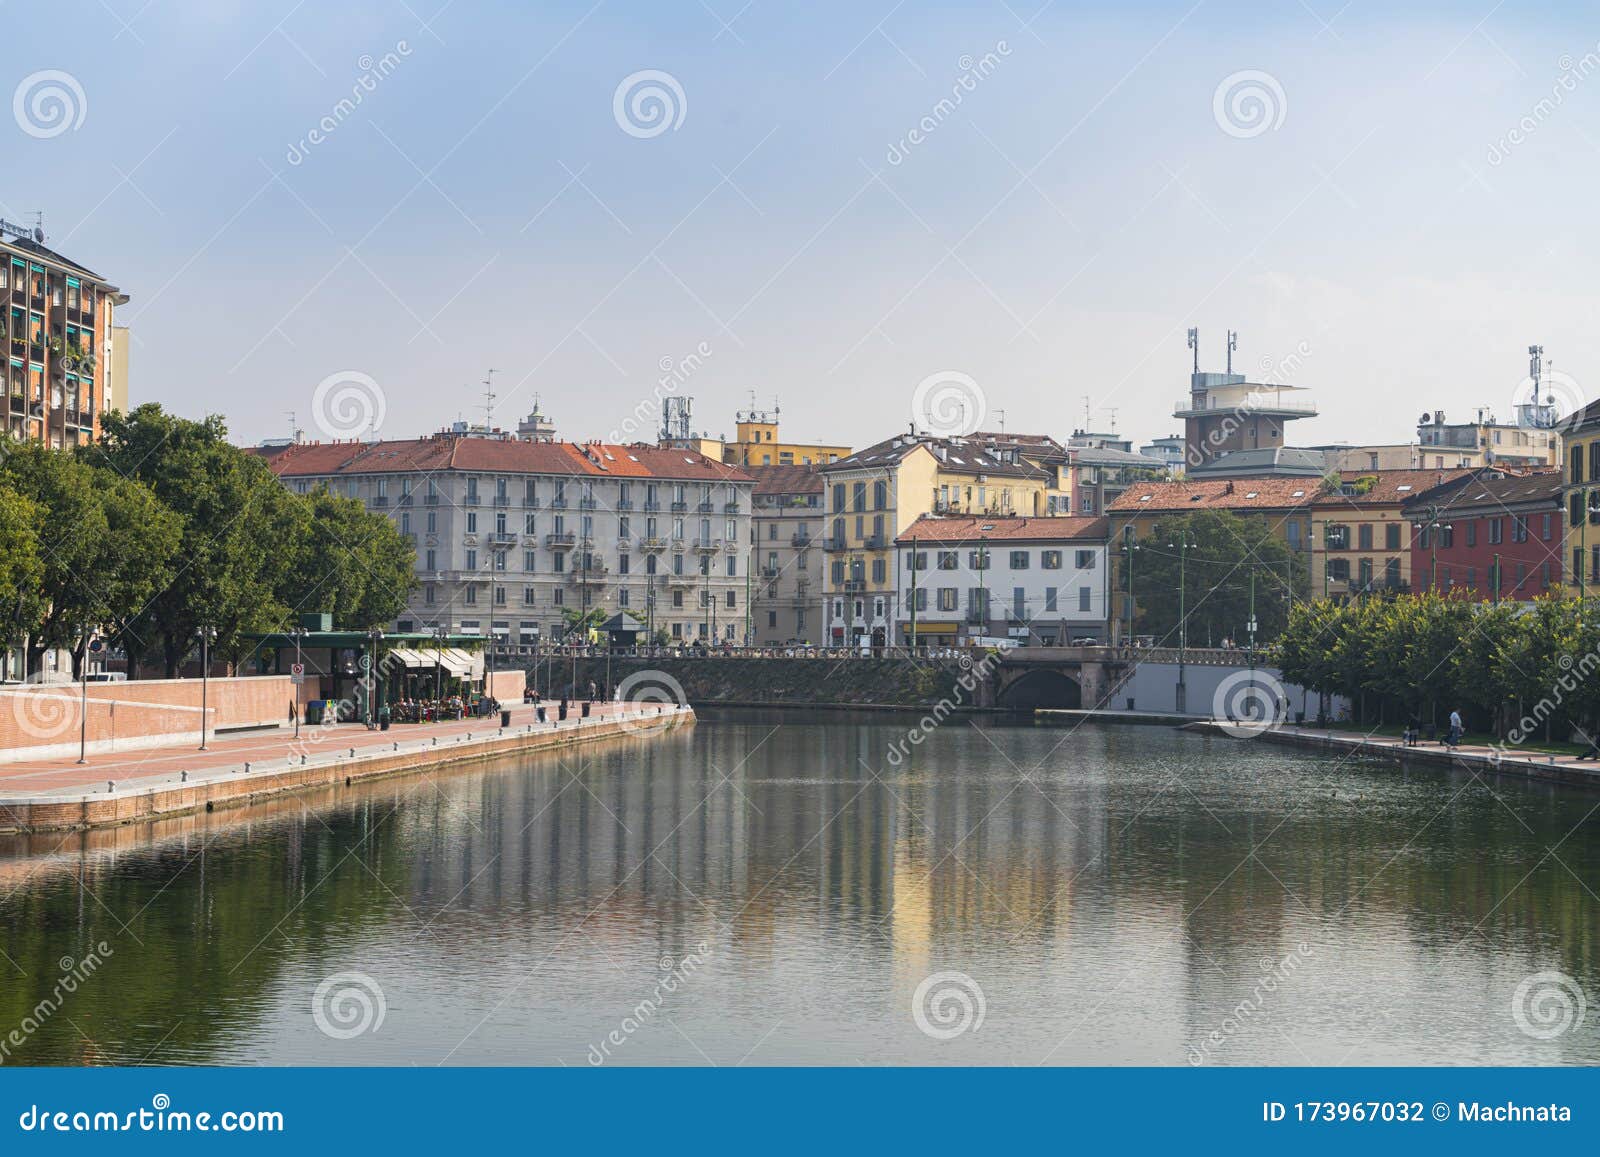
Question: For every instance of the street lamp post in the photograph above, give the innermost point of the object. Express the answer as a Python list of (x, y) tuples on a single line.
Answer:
[(298, 682), (83, 698), (208, 636), (1180, 697)]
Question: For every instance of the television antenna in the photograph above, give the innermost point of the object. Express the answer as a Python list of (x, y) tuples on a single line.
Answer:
[(488, 399), (1194, 344), (1233, 344)]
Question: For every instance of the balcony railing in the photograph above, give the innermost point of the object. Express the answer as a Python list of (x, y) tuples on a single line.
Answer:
[(708, 545), (503, 538), (502, 500), (380, 500), (800, 541), (771, 572), (1265, 402), (563, 541), (586, 504), (680, 507), (430, 500), (829, 542), (652, 543), (405, 500), (706, 507)]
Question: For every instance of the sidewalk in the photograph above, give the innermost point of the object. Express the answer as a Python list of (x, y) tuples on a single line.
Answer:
[(136, 769)]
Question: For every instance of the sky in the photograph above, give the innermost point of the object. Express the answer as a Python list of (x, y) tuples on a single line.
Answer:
[(844, 209)]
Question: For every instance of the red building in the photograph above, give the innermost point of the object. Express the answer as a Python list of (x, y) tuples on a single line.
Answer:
[(1499, 538)]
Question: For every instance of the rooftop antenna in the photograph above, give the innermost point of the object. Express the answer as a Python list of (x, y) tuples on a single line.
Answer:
[(1233, 344), (1112, 410), (294, 426), (488, 400), (1001, 414), (1194, 344)]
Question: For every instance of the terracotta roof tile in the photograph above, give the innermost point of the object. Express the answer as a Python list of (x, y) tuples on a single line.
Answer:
[(496, 455), (1217, 494), (785, 479), (933, 528)]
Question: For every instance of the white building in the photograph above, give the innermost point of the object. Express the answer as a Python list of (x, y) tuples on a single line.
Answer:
[(1042, 581), (513, 534)]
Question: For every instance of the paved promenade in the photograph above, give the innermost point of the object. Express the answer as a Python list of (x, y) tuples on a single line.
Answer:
[(139, 770)]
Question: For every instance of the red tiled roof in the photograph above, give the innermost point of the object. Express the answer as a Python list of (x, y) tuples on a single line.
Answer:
[(785, 479), (934, 528), (1390, 487), (495, 455), (1218, 494)]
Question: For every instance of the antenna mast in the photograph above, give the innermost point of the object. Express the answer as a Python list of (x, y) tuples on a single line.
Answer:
[(488, 400), (1194, 344), (1233, 344)]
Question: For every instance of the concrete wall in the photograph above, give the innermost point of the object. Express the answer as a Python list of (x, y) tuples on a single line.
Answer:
[(42, 721), (1153, 687)]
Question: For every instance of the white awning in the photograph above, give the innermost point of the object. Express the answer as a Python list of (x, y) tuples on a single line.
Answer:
[(455, 661)]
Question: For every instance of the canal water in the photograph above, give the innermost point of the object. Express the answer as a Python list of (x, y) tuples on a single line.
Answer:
[(841, 889)]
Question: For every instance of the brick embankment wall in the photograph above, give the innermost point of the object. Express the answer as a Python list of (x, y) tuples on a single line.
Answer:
[(41, 721), (234, 788)]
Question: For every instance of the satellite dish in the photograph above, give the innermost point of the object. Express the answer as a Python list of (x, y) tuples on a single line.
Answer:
[(38, 234)]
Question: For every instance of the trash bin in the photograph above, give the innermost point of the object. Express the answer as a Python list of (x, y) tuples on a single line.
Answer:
[(541, 715), (563, 714), (505, 719), (586, 706), (1299, 718), (315, 709)]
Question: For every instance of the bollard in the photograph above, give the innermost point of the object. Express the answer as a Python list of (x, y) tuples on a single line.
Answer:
[(183, 777), (397, 746), (111, 785), (247, 767), (302, 760), (352, 753), (436, 741)]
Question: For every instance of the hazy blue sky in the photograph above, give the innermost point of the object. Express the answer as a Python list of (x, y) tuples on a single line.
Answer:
[(1052, 236)]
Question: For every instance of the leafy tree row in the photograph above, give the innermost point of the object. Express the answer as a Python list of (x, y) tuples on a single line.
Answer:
[(162, 526), (1420, 656), (1225, 557)]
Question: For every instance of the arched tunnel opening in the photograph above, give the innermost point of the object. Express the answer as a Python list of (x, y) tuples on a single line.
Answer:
[(1042, 689)]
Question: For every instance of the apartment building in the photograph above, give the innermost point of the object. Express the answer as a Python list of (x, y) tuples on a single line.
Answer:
[(1492, 538), (1484, 441), (55, 341), (875, 494), (1040, 581), (786, 560), (1364, 535), (513, 535)]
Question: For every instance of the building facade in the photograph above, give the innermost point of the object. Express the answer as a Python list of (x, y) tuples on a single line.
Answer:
[(757, 443), (786, 558), (1225, 413), (872, 496), (56, 334), (1483, 441), (1580, 499), (1040, 581), (1493, 538), (516, 537), (1362, 534)]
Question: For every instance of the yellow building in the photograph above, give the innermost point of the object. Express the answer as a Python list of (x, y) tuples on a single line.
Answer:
[(1359, 527), (872, 496), (757, 444), (1580, 495)]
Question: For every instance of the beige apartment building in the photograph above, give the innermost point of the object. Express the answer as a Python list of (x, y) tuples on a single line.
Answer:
[(786, 562)]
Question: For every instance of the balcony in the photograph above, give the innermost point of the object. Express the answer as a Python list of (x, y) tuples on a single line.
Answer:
[(706, 507), (380, 501), (405, 500), (800, 541), (594, 575), (586, 504), (854, 586), (653, 544), (502, 500), (680, 507), (877, 542), (502, 538), (563, 541), (707, 545), (730, 508), (558, 503), (651, 504), (624, 504), (430, 500), (1265, 403), (530, 502), (771, 572)]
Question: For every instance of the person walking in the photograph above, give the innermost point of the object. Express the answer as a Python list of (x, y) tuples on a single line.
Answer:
[(1455, 729)]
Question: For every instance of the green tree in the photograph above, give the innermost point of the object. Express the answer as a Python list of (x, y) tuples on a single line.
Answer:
[(347, 561), (1224, 554), (20, 564), (233, 515)]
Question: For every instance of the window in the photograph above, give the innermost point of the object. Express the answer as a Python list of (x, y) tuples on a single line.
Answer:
[(1364, 536), (1544, 529), (732, 599), (915, 560), (858, 496), (880, 495), (1019, 560), (1050, 600), (430, 560), (733, 565), (978, 559), (472, 596), (499, 596), (1019, 603), (472, 559), (1339, 570), (1472, 531), (527, 524), (879, 570), (949, 559), (1083, 559), (1391, 536), (433, 522), (838, 496), (528, 596), (1519, 526), (1391, 573), (623, 563), (472, 522), (1337, 537), (917, 599), (1497, 530), (947, 598), (428, 594), (1049, 560), (530, 560), (1085, 599)]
